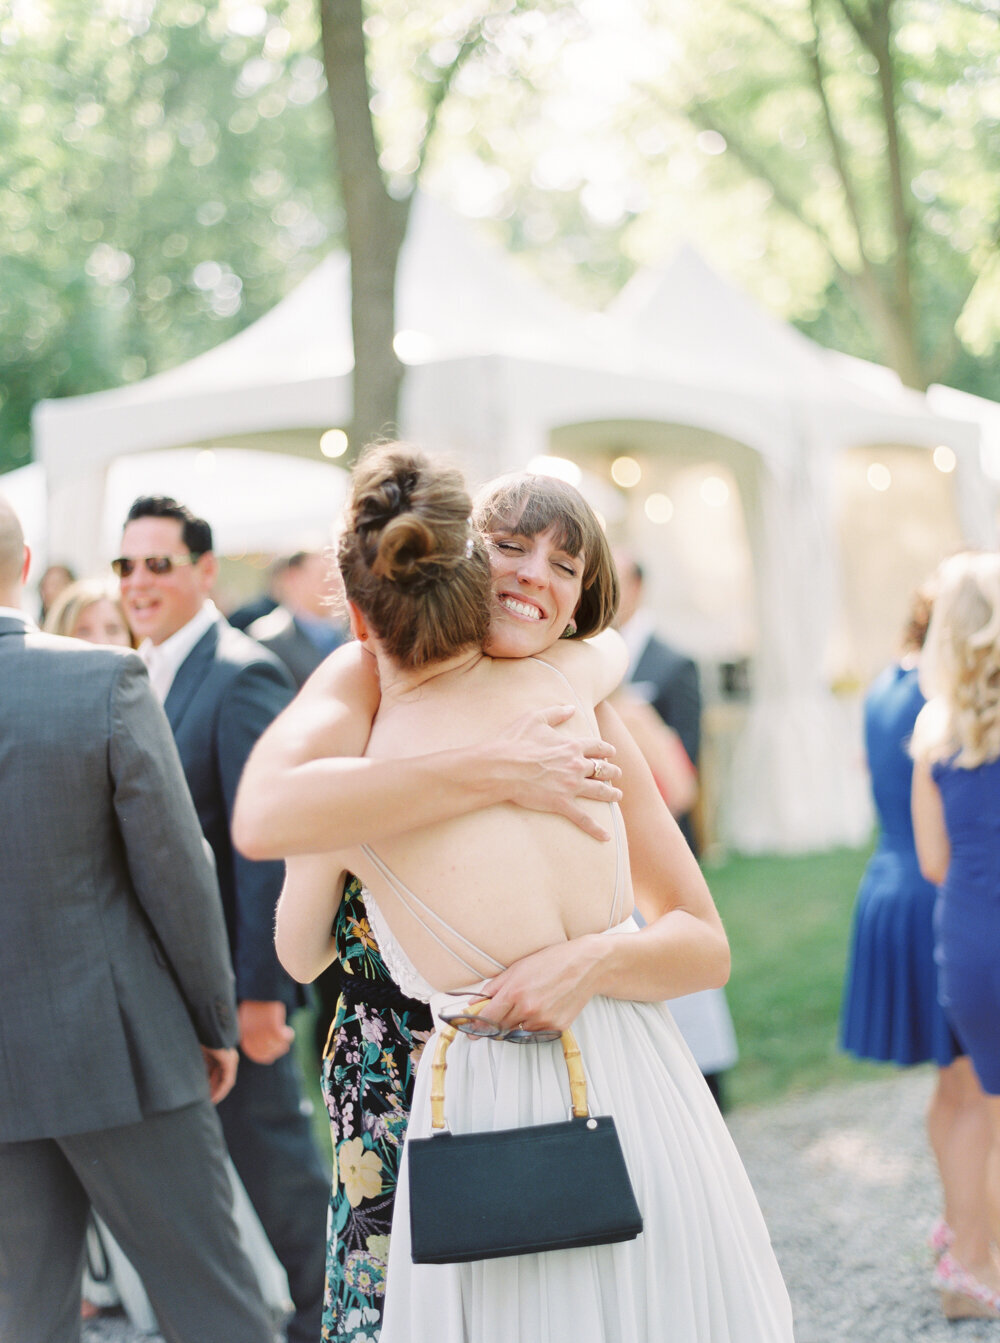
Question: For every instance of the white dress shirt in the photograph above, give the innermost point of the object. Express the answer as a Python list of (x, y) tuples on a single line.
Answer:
[(18, 614), (163, 660)]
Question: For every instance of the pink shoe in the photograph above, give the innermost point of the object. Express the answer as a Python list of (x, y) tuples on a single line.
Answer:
[(941, 1237), (962, 1295)]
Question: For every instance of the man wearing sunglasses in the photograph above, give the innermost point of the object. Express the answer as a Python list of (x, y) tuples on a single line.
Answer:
[(220, 691)]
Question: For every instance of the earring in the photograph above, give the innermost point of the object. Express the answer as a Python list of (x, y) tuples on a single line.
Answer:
[(570, 631)]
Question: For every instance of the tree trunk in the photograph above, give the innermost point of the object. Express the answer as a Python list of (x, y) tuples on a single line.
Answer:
[(376, 225)]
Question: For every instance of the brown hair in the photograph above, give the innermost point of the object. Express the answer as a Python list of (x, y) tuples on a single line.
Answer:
[(410, 559), (526, 505)]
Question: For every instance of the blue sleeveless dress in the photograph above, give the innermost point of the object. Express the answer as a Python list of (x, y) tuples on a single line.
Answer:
[(890, 1011), (968, 914)]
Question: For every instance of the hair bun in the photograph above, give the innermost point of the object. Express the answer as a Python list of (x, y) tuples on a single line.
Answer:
[(408, 539), (409, 559), (406, 552)]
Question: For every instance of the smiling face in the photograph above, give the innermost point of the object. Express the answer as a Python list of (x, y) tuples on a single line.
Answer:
[(536, 587), (102, 623), (158, 605)]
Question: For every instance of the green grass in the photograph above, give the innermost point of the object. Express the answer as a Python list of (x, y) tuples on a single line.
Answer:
[(788, 921), (305, 1052)]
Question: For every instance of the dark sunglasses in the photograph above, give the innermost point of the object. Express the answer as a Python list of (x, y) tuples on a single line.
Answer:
[(159, 565), (469, 1022)]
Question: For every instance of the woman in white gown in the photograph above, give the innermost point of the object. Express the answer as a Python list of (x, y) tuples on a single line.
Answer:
[(526, 887)]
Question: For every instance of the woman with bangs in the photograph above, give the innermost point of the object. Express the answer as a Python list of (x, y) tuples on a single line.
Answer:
[(441, 763), (956, 815), (304, 790)]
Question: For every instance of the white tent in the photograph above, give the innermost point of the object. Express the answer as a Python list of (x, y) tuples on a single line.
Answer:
[(802, 408), (24, 490), (499, 372)]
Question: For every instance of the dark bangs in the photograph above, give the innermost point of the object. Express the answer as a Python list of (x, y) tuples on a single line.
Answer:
[(529, 505), (526, 505)]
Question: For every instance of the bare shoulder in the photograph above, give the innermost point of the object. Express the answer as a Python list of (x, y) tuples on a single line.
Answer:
[(348, 676), (344, 689), (594, 667)]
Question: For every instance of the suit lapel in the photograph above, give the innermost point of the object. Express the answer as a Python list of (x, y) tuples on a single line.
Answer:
[(190, 676), (641, 671)]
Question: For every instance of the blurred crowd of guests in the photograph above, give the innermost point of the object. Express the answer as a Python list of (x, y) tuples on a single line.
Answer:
[(144, 795), (221, 679)]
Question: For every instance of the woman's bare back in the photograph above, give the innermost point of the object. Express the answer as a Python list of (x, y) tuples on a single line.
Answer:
[(510, 881)]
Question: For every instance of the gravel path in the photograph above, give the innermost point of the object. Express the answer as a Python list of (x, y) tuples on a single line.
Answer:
[(849, 1192)]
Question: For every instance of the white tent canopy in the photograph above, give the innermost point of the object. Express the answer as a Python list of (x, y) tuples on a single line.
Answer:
[(499, 372), (257, 501)]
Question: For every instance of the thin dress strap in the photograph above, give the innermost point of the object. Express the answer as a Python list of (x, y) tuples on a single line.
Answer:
[(616, 818), (413, 903)]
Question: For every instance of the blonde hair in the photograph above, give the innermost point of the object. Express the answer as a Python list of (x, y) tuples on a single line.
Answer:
[(71, 603), (960, 665)]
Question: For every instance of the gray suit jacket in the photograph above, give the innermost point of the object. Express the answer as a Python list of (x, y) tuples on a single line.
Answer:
[(113, 955)]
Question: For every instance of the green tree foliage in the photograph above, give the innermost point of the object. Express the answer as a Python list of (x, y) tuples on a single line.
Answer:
[(169, 169), (164, 179), (391, 71), (859, 142)]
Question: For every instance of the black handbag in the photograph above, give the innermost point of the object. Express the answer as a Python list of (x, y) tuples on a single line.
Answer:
[(518, 1191)]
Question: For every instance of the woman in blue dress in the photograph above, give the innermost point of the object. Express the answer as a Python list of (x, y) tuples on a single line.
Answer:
[(890, 1011), (956, 813)]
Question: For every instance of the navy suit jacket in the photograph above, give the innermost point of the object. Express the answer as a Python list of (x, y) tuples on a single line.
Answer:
[(674, 691), (669, 681), (226, 692)]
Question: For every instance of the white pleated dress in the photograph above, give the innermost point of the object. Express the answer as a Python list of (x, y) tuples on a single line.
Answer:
[(702, 1271)]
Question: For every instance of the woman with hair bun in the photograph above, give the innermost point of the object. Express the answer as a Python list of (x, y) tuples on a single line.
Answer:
[(891, 1011), (956, 814), (507, 886), (304, 792)]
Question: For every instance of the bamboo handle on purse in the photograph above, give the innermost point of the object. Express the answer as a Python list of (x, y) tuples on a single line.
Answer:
[(577, 1080), (571, 1053), (438, 1067)]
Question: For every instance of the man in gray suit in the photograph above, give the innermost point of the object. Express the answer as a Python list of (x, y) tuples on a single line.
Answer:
[(117, 1012), (220, 690)]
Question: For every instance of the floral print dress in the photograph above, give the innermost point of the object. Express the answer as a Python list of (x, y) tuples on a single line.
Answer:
[(369, 1062)]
